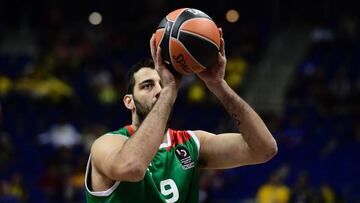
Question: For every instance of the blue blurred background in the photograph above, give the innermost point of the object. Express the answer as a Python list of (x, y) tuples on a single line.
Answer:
[(62, 71)]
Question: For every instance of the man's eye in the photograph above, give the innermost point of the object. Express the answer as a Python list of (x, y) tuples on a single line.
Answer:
[(148, 86)]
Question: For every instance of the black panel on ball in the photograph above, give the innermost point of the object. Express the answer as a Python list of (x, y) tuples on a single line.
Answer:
[(201, 49), (162, 23), (165, 49), (184, 16), (164, 44)]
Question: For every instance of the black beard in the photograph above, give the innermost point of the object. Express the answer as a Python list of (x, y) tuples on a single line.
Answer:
[(141, 110)]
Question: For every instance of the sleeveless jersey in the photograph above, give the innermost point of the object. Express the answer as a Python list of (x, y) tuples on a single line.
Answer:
[(172, 175)]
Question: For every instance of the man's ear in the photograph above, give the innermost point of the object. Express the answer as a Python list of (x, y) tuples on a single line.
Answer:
[(129, 102)]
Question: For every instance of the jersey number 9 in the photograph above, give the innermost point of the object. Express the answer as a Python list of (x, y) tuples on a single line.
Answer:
[(168, 187)]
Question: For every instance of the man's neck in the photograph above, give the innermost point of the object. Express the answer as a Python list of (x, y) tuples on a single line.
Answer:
[(135, 122), (135, 125)]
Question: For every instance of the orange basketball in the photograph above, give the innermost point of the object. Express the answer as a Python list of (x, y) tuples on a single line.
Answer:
[(189, 40)]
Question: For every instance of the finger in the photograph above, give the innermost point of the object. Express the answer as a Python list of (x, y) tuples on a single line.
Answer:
[(221, 32), (159, 59), (222, 47), (152, 47)]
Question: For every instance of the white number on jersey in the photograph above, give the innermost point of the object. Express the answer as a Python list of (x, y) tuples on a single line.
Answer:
[(168, 187)]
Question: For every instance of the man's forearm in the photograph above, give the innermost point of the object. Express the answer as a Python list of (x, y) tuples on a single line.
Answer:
[(252, 128), (150, 133)]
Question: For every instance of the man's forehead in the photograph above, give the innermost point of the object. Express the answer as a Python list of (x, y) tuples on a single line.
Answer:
[(146, 74)]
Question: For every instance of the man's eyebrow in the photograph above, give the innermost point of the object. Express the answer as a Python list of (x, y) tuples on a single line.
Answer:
[(146, 81)]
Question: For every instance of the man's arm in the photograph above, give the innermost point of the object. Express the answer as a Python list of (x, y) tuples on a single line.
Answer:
[(117, 158), (253, 144), (127, 159)]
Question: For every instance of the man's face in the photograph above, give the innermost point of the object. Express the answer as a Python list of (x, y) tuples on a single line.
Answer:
[(147, 89)]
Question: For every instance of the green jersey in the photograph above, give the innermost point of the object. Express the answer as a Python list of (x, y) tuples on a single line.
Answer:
[(172, 175)]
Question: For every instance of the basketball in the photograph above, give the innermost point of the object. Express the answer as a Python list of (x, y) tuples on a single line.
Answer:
[(189, 40)]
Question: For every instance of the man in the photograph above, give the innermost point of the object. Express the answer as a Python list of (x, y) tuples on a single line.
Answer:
[(145, 162)]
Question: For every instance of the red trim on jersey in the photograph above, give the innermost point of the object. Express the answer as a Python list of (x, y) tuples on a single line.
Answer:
[(130, 129), (178, 137)]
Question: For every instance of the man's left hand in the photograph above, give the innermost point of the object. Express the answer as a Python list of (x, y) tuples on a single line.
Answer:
[(215, 74)]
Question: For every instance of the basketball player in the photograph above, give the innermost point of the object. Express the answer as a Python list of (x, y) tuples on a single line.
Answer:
[(145, 162)]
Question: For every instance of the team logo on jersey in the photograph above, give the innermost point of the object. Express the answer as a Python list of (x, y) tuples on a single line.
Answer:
[(184, 157)]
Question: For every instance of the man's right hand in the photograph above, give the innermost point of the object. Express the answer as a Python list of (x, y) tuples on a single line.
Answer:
[(168, 80)]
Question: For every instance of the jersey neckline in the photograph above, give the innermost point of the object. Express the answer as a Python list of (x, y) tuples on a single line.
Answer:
[(162, 145)]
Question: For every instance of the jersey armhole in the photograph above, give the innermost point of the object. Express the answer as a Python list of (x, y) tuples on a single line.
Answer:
[(195, 138), (104, 193), (88, 172), (117, 134)]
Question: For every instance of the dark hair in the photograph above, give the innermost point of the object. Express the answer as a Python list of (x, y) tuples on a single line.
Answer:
[(142, 63)]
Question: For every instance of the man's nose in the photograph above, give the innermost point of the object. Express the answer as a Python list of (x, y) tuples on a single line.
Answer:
[(157, 90)]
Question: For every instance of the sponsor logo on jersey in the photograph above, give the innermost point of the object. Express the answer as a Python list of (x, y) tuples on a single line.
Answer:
[(184, 157)]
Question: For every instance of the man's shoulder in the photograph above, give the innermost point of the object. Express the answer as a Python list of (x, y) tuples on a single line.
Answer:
[(126, 131)]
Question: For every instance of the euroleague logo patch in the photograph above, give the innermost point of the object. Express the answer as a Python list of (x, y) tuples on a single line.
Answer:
[(184, 157)]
